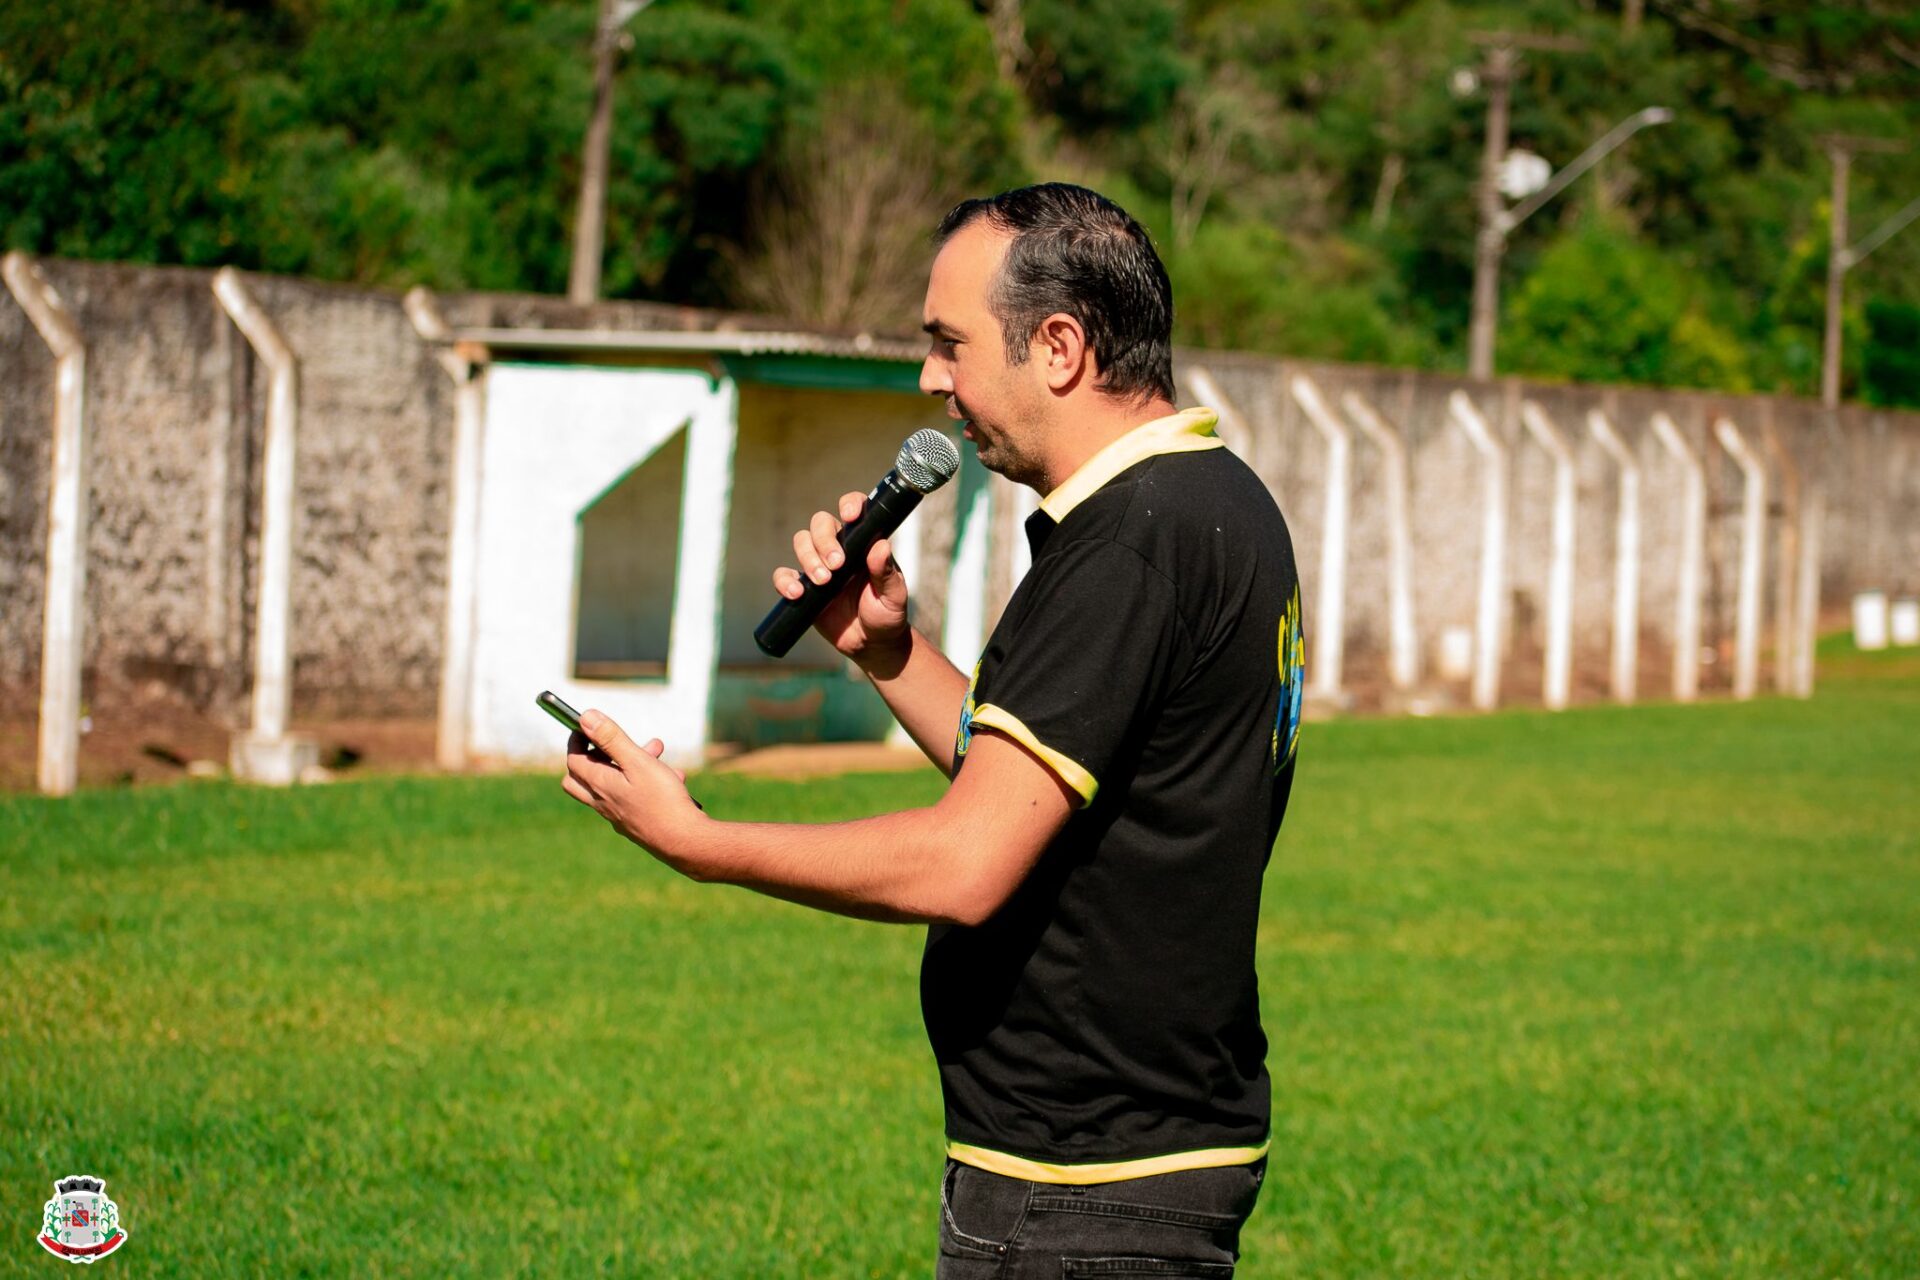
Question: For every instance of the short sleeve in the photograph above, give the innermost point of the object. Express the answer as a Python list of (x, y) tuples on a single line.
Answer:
[(1097, 643)]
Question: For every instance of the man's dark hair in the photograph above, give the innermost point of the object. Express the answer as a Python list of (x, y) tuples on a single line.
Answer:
[(1077, 252)]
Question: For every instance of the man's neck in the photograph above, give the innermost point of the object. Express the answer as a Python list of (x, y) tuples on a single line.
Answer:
[(1085, 434)]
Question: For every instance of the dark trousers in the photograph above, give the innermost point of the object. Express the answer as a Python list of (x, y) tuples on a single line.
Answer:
[(1172, 1224)]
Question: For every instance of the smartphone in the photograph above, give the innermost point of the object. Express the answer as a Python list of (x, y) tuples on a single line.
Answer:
[(551, 703), (555, 706)]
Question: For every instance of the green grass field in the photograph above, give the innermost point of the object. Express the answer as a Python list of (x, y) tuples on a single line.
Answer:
[(1611, 993)]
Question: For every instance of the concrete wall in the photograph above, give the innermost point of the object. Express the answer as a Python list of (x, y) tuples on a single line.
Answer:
[(175, 428), (1868, 460)]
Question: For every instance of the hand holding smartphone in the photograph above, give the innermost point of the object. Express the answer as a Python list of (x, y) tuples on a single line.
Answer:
[(555, 706)]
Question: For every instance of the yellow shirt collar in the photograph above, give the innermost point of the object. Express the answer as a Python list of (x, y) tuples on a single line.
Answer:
[(1182, 432)]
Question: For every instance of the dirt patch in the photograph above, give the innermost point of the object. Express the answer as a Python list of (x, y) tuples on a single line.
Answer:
[(152, 735), (821, 759)]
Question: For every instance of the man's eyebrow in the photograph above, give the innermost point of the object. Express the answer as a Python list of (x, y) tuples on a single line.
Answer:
[(941, 329)]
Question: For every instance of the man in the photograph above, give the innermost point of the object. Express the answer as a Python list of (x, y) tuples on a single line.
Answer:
[(1122, 759)]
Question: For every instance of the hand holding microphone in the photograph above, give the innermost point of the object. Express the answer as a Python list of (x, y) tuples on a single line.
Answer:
[(854, 544)]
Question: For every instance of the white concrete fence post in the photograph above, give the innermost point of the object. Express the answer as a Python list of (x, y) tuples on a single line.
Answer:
[(964, 629), (1626, 560), (1024, 502), (1786, 613), (267, 752), (1813, 516), (1328, 629), (1797, 610), (469, 373), (63, 625), (1403, 641), (1557, 681), (1493, 548), (1753, 532), (1693, 540)]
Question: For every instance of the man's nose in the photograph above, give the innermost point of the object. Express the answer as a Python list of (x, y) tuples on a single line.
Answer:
[(933, 377)]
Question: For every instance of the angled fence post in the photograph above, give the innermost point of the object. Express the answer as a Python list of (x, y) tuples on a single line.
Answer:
[(1557, 683), (1403, 645), (1626, 559), (1493, 549), (1753, 532), (1693, 539), (267, 753), (468, 369), (1329, 630), (62, 636)]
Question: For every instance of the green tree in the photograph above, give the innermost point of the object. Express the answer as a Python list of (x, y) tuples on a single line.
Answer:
[(1602, 307), (1891, 361), (111, 129), (1244, 286), (1106, 64), (1309, 169)]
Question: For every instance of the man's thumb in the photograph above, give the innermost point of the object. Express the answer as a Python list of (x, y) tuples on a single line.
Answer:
[(608, 736)]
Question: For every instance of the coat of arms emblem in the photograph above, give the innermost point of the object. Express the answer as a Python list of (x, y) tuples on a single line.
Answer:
[(82, 1224)]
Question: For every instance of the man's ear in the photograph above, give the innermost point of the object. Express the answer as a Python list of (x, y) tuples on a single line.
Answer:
[(1063, 349)]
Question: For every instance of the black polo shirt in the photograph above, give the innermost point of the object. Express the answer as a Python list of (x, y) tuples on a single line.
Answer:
[(1105, 1023)]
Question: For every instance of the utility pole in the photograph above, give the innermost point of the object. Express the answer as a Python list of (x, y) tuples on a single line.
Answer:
[(1505, 220), (1496, 220), (589, 228), (1496, 72), (1840, 258)]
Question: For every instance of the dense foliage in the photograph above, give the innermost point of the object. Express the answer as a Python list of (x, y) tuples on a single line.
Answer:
[(1308, 168)]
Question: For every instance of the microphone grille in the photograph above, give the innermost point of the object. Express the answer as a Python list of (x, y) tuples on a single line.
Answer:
[(927, 460)]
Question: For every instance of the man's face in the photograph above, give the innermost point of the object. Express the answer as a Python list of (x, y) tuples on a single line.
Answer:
[(1001, 404)]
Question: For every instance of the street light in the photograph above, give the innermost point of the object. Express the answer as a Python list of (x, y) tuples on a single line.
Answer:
[(1496, 222), (589, 227)]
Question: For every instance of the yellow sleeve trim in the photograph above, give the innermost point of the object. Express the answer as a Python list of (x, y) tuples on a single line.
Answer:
[(1084, 1175), (992, 717)]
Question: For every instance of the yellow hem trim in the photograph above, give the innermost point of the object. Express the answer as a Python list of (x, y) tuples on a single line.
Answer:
[(1183, 432), (1070, 771), (1083, 1175)]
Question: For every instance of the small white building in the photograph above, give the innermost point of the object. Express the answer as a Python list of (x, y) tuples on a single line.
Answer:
[(632, 494)]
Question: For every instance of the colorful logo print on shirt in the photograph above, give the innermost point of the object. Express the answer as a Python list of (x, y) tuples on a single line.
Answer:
[(964, 738), (1293, 682)]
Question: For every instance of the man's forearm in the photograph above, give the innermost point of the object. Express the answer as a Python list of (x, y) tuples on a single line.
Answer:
[(924, 692), (956, 861), (898, 868)]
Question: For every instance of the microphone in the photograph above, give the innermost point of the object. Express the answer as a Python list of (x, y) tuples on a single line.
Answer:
[(925, 462)]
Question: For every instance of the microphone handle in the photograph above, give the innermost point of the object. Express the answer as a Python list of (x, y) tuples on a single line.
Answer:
[(891, 502)]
